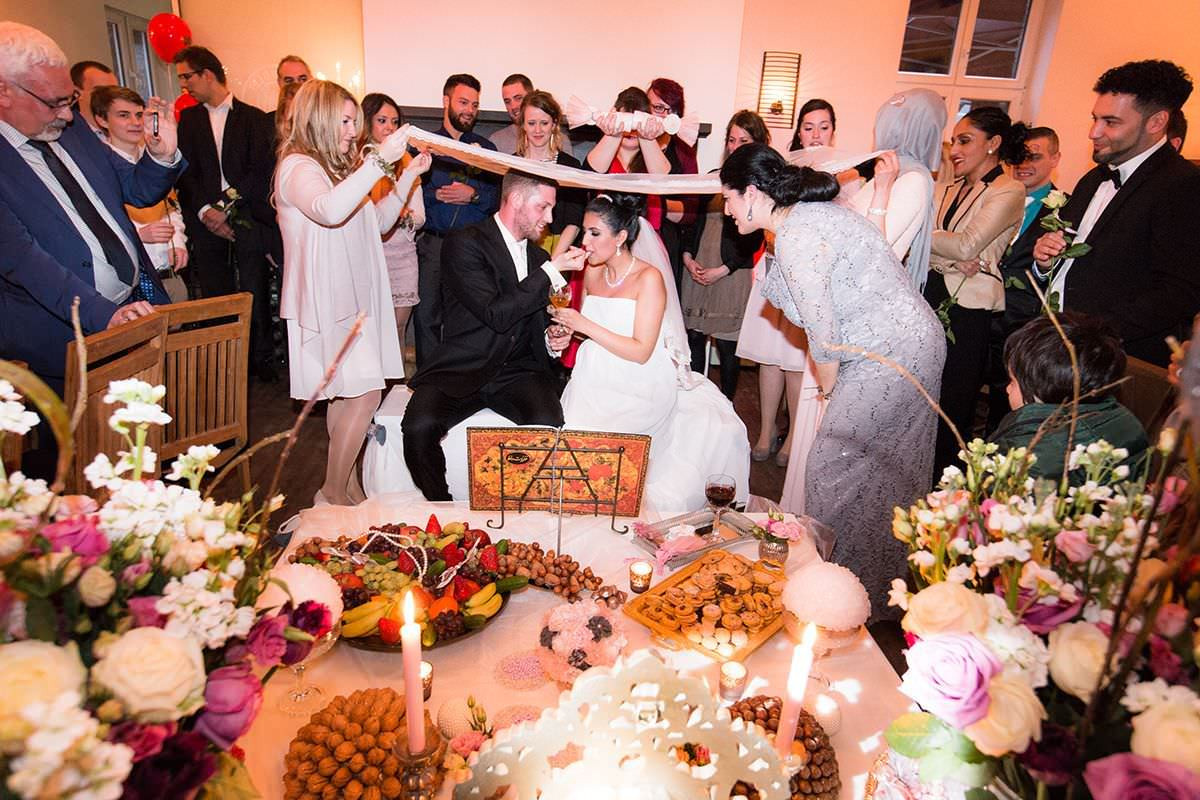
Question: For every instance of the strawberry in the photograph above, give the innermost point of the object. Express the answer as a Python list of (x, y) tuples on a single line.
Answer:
[(389, 630), (489, 559), (453, 555), (433, 527), (464, 588), (405, 563)]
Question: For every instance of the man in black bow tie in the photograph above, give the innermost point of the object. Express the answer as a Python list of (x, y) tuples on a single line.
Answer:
[(1138, 209)]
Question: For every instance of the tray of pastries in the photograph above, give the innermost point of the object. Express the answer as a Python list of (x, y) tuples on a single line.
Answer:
[(723, 605)]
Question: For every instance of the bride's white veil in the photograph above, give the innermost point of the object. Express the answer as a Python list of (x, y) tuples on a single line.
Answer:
[(649, 248)]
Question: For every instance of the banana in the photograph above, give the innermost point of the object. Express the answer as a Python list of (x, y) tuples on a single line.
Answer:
[(491, 607), (482, 596), (365, 609), (365, 625)]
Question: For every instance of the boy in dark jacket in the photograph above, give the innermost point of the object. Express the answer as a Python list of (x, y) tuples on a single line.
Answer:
[(1041, 385)]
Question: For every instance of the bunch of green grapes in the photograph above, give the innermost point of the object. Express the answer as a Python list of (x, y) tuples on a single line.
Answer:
[(335, 566), (383, 578)]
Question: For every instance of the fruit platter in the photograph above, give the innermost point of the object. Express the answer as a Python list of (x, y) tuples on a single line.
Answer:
[(453, 573)]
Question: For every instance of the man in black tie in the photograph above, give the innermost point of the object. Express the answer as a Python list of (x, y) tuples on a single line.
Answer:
[(1138, 210), (64, 232), (229, 145)]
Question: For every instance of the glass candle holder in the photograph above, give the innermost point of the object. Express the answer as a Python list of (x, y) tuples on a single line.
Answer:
[(640, 573), (426, 679), (733, 680)]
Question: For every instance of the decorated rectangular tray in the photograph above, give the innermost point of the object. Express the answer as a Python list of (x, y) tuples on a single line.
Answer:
[(735, 528), (720, 591)]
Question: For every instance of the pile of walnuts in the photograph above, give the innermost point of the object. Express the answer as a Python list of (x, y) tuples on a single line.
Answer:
[(817, 778), (346, 750), (559, 573)]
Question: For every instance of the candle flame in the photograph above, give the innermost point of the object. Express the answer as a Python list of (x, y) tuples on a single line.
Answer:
[(409, 610)]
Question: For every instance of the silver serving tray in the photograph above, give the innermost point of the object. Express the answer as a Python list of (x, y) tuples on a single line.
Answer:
[(735, 527)]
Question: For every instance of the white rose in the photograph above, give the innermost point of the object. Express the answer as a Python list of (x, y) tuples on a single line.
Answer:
[(1168, 732), (1014, 718), (35, 672), (1076, 657), (945, 608), (96, 586), (156, 676), (1057, 198)]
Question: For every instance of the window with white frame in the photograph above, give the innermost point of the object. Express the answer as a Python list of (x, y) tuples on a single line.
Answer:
[(972, 52)]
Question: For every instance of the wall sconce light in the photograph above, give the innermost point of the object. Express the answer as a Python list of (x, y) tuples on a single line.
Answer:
[(778, 87)]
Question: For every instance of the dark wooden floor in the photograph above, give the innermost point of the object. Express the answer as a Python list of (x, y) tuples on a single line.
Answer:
[(272, 410)]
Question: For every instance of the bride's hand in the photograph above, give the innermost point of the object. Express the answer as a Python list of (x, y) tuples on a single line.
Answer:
[(569, 318)]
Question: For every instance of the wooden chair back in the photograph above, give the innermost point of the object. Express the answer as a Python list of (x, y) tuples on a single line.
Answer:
[(205, 372), (1148, 394), (132, 350)]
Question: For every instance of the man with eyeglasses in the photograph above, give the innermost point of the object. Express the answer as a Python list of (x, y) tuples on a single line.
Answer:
[(229, 146), (64, 233)]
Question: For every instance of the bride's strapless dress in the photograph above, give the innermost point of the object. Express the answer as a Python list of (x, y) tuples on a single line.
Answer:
[(694, 432)]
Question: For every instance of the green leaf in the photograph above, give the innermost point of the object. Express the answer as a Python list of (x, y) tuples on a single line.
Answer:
[(979, 793), (945, 764), (230, 782), (916, 733), (1015, 283), (41, 622), (938, 765), (1077, 250), (975, 774)]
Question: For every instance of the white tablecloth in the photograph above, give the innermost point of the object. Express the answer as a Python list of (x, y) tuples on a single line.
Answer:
[(860, 676)]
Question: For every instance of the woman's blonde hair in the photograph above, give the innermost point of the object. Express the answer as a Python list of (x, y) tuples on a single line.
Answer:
[(316, 129)]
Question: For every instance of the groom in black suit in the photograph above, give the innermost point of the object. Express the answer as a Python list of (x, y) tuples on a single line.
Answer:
[(1138, 209), (496, 350)]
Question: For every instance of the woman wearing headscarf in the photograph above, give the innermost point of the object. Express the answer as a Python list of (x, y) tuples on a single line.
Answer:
[(898, 199)]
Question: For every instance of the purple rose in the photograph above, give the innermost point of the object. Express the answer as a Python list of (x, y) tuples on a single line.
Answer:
[(948, 676), (1127, 776), (144, 740), (78, 535), (1041, 618), (182, 766), (1165, 663), (145, 615), (1054, 759), (231, 702), (266, 641), (313, 618)]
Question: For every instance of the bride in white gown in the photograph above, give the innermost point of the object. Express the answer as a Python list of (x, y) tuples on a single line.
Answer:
[(632, 372)]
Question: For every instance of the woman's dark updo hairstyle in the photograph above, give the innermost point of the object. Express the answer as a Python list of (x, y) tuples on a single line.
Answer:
[(816, 104), (995, 121), (759, 165), (620, 212)]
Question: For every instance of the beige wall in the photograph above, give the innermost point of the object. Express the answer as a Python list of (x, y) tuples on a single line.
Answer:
[(1094, 35), (78, 25), (250, 36)]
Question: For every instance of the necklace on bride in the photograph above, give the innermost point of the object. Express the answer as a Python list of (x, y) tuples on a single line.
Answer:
[(614, 284)]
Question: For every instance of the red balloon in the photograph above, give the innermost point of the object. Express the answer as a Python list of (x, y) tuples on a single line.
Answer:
[(184, 100), (168, 34)]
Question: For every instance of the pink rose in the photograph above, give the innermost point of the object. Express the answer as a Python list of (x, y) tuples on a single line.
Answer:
[(1127, 776), (232, 698), (1171, 620), (1173, 489), (792, 530), (1165, 663), (134, 571), (78, 535), (466, 743), (75, 505), (1074, 545), (266, 641), (144, 740), (145, 615), (948, 676)]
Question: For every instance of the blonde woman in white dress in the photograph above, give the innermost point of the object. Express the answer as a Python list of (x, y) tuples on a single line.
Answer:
[(334, 269)]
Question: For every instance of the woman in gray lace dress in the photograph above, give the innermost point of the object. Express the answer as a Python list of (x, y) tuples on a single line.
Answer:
[(836, 277)]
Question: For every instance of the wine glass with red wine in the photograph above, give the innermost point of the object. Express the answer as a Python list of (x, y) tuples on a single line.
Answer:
[(719, 490)]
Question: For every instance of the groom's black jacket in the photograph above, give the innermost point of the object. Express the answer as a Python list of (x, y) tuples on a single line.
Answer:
[(1143, 272), (489, 318)]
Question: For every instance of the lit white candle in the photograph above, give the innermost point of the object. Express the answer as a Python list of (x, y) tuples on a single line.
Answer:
[(414, 695), (640, 573), (733, 680), (789, 715)]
